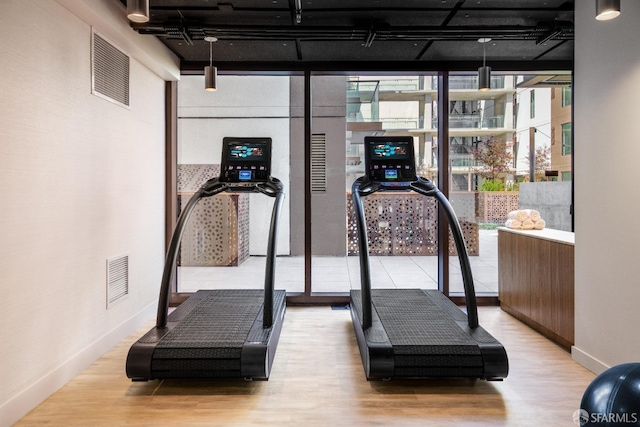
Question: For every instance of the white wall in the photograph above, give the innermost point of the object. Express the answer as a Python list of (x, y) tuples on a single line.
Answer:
[(82, 181), (243, 106), (607, 198)]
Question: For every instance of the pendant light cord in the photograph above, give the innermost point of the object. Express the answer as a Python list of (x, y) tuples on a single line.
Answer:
[(484, 54)]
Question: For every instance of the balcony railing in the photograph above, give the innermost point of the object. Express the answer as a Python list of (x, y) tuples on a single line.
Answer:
[(465, 162), (398, 85), (390, 85), (400, 123), (357, 88), (468, 82), (472, 122)]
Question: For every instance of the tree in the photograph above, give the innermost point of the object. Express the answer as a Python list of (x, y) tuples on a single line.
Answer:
[(542, 161), (493, 158)]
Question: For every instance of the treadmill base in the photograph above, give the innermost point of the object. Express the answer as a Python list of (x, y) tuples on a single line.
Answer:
[(418, 333), (213, 334)]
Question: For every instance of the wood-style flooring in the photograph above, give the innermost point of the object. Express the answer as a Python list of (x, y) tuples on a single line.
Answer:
[(318, 380)]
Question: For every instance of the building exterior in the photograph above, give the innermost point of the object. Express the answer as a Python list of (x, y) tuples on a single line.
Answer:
[(561, 132), (408, 106)]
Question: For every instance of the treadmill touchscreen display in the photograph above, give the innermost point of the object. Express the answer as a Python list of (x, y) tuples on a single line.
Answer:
[(390, 151), (248, 151), (245, 159), (390, 159)]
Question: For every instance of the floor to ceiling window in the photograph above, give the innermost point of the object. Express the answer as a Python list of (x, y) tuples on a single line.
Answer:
[(225, 243), (491, 138), (402, 227)]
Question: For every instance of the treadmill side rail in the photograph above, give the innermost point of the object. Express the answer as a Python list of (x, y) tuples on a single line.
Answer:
[(139, 361), (257, 356), (496, 364)]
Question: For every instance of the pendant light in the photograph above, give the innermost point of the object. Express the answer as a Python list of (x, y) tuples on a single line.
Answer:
[(607, 9), (138, 10), (484, 72), (210, 72)]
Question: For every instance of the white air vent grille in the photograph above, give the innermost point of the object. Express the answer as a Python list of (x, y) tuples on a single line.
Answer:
[(110, 68), (318, 163), (117, 279)]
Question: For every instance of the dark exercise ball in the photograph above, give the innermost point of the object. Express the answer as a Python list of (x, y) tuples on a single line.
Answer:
[(613, 398)]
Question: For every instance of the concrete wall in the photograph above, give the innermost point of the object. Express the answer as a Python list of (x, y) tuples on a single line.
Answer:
[(296, 194), (551, 199), (607, 201), (82, 181), (329, 110)]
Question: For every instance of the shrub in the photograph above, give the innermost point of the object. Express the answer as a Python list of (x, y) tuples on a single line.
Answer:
[(492, 185)]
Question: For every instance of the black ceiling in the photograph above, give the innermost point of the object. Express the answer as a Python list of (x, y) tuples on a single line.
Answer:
[(365, 34)]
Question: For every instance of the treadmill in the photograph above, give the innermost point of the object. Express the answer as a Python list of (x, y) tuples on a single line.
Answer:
[(415, 333), (218, 333)]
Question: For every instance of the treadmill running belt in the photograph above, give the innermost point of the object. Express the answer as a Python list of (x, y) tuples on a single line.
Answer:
[(426, 332), (208, 340), (416, 325), (232, 313)]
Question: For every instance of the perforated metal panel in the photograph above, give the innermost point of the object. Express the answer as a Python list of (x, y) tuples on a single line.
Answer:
[(494, 206), (110, 71), (217, 233), (192, 176), (404, 224)]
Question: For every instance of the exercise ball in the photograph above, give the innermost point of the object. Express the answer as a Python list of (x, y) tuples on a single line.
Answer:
[(613, 398)]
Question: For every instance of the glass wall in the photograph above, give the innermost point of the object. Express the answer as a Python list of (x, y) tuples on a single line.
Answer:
[(402, 227), (225, 243), (491, 138), (504, 157), (481, 133)]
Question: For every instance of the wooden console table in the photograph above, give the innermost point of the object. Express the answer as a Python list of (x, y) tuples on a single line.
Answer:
[(536, 280)]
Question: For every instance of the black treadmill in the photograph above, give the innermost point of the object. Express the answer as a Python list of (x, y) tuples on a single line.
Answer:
[(415, 333), (218, 333)]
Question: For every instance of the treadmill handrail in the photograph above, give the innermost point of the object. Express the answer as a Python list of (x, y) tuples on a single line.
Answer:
[(427, 188), (272, 188), (362, 186), (363, 247)]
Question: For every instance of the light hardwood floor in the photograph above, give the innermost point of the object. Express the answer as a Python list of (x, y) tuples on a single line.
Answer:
[(318, 380)]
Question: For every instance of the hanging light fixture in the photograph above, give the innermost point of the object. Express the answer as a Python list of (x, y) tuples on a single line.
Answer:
[(138, 10), (607, 9), (484, 72), (210, 72)]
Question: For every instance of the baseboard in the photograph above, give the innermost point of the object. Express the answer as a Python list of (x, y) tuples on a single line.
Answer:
[(588, 361), (22, 403)]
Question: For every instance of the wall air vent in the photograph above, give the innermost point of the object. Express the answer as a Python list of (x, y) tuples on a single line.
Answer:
[(318, 163), (109, 71), (117, 279)]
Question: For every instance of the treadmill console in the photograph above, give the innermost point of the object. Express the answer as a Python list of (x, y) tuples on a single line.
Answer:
[(245, 160), (389, 160)]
